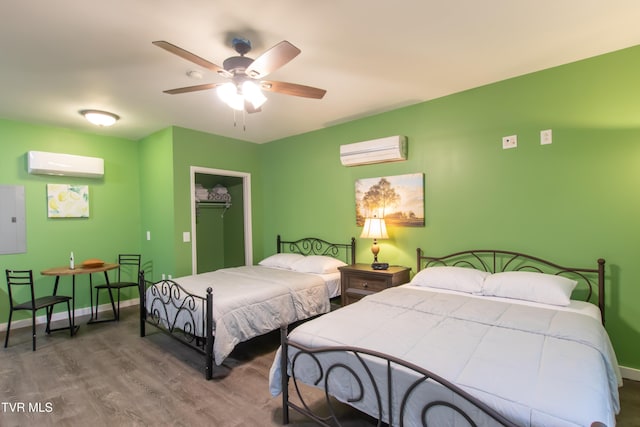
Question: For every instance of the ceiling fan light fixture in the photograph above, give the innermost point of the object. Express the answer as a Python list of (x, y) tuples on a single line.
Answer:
[(240, 69), (100, 118), (229, 94), (253, 94)]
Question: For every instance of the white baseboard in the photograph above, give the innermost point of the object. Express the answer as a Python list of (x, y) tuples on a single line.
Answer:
[(630, 373), (86, 311)]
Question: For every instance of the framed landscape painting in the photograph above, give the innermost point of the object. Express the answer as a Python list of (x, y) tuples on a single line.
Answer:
[(398, 199)]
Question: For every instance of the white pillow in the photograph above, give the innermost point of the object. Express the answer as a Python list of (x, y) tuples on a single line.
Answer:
[(460, 279), (318, 264), (530, 286), (281, 261)]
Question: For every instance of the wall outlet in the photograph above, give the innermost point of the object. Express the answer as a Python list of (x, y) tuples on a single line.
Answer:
[(186, 236), (545, 137), (510, 142)]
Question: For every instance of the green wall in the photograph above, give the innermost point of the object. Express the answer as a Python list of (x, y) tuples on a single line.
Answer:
[(146, 188), (113, 225), (573, 201), (220, 229), (157, 204), (193, 148), (234, 228), (210, 239)]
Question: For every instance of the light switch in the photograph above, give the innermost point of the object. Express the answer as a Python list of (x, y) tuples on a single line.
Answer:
[(186, 236)]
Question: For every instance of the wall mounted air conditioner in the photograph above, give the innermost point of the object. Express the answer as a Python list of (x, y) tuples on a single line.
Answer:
[(389, 149), (43, 163)]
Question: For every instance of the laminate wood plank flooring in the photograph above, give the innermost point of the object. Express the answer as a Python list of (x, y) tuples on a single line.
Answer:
[(108, 376)]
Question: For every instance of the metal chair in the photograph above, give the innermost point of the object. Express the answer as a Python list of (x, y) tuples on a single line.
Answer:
[(129, 265), (23, 279)]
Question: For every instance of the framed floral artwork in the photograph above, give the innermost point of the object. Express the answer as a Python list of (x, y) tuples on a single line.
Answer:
[(398, 199), (67, 201)]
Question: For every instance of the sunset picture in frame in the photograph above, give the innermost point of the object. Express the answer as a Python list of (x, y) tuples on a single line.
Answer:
[(398, 199)]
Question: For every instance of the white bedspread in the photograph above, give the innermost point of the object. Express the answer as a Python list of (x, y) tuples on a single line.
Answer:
[(248, 301), (536, 366)]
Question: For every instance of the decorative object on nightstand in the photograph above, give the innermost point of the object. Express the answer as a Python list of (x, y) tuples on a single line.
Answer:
[(375, 228), (360, 280)]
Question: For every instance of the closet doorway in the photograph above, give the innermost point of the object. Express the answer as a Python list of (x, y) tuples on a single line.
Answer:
[(220, 223)]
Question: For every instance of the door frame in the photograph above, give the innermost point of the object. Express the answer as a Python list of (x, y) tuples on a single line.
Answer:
[(246, 202)]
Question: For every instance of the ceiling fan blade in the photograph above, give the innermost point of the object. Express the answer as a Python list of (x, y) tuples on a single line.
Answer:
[(192, 88), (293, 89), (191, 57), (272, 59)]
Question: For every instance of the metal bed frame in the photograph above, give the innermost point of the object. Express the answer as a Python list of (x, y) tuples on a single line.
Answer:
[(153, 311), (494, 261), (487, 260)]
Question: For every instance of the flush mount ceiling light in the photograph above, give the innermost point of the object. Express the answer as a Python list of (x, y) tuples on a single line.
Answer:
[(100, 118)]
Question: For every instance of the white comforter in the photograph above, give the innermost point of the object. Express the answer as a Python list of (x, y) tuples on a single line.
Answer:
[(536, 366), (247, 302)]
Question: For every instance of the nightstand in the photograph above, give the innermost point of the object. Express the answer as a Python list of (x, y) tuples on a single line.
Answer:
[(359, 280)]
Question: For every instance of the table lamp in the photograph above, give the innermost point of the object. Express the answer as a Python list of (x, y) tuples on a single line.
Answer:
[(375, 228)]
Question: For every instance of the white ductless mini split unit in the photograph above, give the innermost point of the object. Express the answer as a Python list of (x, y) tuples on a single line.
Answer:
[(389, 149), (43, 163)]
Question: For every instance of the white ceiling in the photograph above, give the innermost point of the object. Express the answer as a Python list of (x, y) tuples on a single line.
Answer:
[(58, 57)]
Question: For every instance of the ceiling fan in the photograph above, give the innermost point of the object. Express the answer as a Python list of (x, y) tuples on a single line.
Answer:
[(244, 90)]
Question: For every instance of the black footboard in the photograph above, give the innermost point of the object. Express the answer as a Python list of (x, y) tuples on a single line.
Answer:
[(365, 378), (183, 316)]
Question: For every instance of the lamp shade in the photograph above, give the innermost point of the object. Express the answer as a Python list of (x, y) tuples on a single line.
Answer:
[(234, 98), (228, 92), (253, 94), (374, 228)]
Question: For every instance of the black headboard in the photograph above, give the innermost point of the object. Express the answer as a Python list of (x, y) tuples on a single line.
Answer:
[(498, 261), (315, 246)]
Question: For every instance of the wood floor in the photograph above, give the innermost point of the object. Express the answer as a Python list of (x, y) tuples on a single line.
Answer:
[(107, 375)]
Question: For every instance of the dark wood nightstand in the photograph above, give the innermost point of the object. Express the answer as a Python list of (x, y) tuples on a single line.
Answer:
[(359, 280)]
